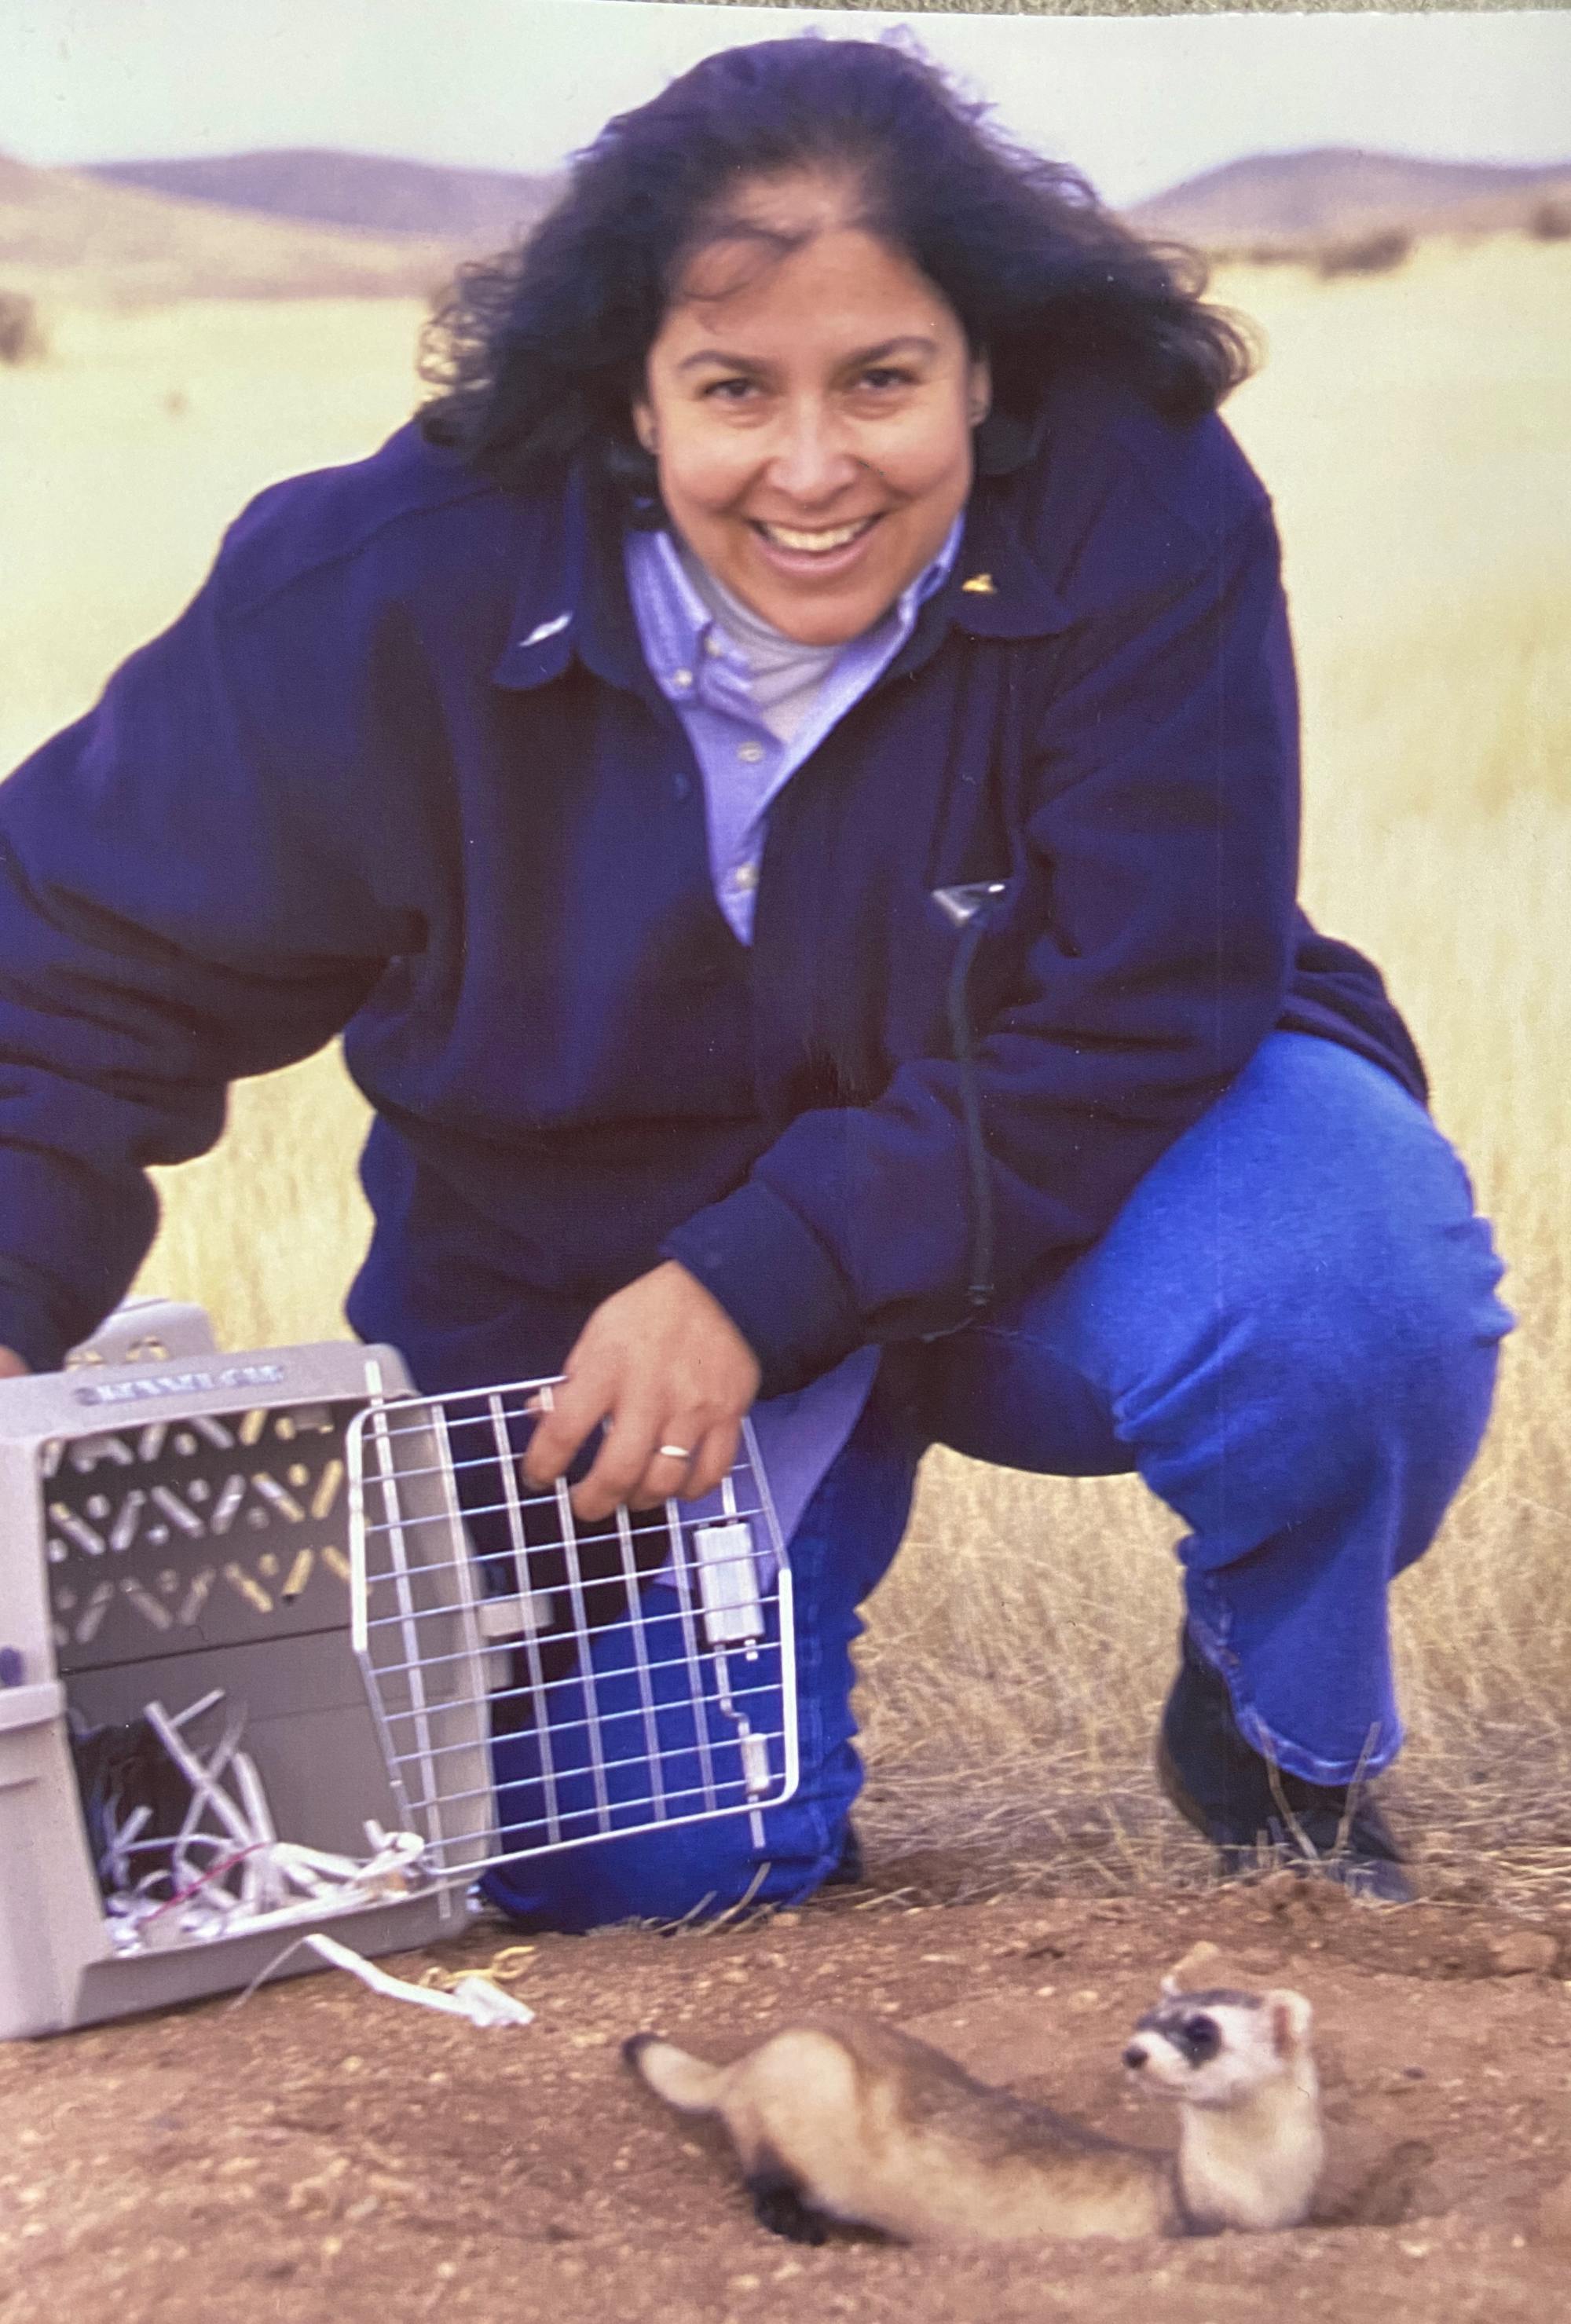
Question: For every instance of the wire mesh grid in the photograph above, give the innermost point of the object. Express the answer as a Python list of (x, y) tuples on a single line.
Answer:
[(539, 1682)]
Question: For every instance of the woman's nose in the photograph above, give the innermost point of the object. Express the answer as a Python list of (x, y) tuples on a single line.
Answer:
[(812, 460)]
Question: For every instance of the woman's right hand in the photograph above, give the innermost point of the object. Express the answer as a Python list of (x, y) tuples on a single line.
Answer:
[(11, 1366)]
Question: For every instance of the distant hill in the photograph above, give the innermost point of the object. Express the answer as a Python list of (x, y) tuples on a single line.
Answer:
[(1337, 193), (60, 229), (1286, 202), (478, 210), (319, 224)]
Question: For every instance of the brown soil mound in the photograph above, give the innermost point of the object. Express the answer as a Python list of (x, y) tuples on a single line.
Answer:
[(321, 2153)]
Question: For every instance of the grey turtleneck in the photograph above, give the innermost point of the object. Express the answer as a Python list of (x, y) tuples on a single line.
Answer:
[(783, 674)]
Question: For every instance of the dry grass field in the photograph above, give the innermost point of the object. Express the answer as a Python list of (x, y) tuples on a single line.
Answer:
[(1416, 430)]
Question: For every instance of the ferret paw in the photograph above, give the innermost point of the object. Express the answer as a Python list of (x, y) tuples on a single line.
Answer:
[(782, 2211)]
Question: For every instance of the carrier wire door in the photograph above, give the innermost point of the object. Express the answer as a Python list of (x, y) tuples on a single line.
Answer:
[(539, 1682)]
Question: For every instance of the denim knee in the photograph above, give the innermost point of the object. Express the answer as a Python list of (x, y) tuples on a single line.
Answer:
[(1299, 1391), (1392, 1329), (1296, 1303)]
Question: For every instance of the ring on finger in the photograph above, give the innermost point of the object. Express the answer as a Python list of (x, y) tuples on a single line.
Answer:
[(674, 1451)]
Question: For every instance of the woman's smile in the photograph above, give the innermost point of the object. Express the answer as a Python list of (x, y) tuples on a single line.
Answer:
[(809, 401), (818, 554), (814, 544)]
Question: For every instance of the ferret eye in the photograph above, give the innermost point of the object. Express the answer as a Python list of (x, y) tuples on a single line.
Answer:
[(1201, 2037)]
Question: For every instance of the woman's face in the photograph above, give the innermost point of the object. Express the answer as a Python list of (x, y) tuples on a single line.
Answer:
[(811, 416)]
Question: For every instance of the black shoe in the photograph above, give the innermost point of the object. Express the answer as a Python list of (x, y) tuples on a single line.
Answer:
[(1250, 1811), (851, 1868)]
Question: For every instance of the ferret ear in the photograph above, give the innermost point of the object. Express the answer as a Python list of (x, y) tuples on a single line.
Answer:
[(1290, 2019), (1170, 1987)]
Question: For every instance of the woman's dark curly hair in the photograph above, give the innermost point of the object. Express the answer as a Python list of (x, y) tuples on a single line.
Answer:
[(537, 356)]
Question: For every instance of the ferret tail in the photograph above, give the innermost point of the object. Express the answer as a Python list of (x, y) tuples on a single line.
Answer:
[(690, 2084)]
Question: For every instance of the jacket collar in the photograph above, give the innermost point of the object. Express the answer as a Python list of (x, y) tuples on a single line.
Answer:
[(997, 588), (573, 603)]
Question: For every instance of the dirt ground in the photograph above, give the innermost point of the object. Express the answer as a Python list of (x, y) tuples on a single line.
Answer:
[(323, 2154)]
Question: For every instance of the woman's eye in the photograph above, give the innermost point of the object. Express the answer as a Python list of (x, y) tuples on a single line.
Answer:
[(729, 391), (884, 379)]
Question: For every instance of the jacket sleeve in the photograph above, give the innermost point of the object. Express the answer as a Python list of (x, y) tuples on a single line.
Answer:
[(1145, 952), (179, 905)]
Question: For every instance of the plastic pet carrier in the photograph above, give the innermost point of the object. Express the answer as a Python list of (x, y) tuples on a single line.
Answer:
[(284, 1647)]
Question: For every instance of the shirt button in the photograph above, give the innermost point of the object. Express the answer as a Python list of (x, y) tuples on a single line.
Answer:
[(682, 679), (712, 647), (751, 752), (744, 879)]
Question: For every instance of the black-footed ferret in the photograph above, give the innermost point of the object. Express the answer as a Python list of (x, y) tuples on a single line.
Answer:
[(852, 2121)]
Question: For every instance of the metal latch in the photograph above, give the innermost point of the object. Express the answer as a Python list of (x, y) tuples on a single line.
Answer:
[(728, 1583)]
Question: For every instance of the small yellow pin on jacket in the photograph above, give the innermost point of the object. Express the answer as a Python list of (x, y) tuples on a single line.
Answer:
[(979, 584)]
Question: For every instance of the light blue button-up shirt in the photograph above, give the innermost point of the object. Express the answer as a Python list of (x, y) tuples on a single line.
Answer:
[(703, 672)]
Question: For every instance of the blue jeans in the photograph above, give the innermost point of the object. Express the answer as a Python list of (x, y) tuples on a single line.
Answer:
[(1290, 1332)]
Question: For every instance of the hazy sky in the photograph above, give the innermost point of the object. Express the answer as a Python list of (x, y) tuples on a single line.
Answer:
[(515, 84)]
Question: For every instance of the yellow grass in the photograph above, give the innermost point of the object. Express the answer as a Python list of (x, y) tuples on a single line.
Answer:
[(1416, 431), (131, 450)]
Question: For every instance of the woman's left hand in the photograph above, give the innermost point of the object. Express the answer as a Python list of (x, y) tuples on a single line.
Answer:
[(663, 1365)]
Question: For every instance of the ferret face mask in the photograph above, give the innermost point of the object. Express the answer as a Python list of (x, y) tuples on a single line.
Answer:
[(1208, 2049)]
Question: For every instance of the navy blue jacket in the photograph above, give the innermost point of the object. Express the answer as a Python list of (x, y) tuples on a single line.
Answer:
[(400, 769)]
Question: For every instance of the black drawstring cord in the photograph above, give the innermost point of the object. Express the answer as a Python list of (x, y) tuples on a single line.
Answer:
[(967, 908)]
